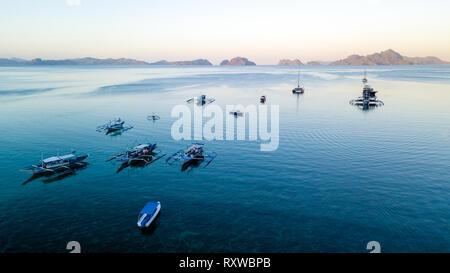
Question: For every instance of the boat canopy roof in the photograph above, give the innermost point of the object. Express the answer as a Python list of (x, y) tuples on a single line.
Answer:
[(150, 208), (58, 158), (141, 146)]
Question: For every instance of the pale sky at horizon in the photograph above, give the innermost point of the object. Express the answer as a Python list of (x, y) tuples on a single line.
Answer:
[(263, 31)]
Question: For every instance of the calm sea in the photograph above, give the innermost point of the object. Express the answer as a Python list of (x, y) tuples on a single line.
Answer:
[(340, 178)]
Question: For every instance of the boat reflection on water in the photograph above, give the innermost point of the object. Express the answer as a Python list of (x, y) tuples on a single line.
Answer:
[(190, 165), (297, 107), (58, 175), (151, 229), (134, 165), (114, 134), (65, 174), (366, 107)]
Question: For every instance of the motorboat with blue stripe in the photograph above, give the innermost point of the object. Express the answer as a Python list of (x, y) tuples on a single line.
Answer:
[(148, 214)]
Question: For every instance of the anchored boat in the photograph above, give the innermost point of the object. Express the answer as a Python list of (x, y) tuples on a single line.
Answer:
[(237, 113), (153, 117), (148, 214), (202, 100), (115, 126), (141, 155), (299, 89), (368, 98), (57, 164), (193, 156)]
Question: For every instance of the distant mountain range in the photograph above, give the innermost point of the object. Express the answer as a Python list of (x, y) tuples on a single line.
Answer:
[(297, 62), (388, 57), (194, 62), (237, 61), (94, 61), (290, 62), (317, 63), (86, 61)]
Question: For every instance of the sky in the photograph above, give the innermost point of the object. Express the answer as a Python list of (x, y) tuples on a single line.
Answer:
[(263, 31)]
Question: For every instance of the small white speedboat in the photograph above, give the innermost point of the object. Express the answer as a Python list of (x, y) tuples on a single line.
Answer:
[(148, 214)]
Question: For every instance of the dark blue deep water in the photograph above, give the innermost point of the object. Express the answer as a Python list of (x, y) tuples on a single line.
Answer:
[(341, 177)]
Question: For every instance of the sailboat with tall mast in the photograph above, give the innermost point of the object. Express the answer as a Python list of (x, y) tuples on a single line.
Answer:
[(299, 89)]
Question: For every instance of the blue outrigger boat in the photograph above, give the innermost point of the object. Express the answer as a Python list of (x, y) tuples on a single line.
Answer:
[(114, 126), (141, 155), (202, 100), (193, 156), (148, 214)]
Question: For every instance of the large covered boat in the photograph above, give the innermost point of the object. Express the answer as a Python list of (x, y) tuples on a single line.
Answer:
[(368, 98)]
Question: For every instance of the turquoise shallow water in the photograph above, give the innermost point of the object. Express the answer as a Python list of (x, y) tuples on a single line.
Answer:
[(340, 178)]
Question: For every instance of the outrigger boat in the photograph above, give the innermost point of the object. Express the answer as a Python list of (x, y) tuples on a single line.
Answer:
[(114, 126), (153, 117), (148, 214), (298, 89), (202, 100), (192, 157), (141, 155), (368, 98), (237, 113), (56, 164)]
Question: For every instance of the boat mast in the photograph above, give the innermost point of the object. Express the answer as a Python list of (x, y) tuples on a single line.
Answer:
[(298, 80), (365, 78)]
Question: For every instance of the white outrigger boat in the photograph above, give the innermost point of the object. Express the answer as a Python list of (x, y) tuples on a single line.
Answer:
[(57, 164)]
